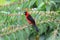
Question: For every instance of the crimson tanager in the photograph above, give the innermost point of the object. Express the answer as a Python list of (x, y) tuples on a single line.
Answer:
[(31, 20)]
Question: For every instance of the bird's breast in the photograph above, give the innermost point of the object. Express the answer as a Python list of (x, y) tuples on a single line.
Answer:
[(29, 21)]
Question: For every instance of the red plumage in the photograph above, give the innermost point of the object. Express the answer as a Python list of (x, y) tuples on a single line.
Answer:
[(31, 20)]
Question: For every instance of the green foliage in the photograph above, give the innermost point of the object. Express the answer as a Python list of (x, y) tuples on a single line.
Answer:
[(13, 22)]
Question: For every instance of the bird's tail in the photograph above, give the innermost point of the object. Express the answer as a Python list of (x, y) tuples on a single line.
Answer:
[(36, 28)]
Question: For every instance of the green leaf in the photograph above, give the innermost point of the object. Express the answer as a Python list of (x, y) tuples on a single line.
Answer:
[(12, 36), (38, 2), (40, 6), (2, 2), (32, 2), (56, 0), (20, 35), (6, 37), (53, 36), (1, 38), (48, 7)]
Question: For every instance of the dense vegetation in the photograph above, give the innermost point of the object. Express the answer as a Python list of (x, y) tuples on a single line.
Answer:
[(13, 24)]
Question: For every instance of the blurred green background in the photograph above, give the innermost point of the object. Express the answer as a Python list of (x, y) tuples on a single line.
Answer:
[(13, 24)]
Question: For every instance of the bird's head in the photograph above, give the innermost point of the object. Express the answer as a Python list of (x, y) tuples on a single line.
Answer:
[(26, 13)]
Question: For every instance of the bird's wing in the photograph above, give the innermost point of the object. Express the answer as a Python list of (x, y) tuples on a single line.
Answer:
[(31, 19)]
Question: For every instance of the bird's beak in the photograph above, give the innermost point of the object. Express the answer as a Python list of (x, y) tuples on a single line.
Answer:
[(25, 12)]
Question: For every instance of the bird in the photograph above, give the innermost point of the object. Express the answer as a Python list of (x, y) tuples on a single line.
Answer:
[(31, 21)]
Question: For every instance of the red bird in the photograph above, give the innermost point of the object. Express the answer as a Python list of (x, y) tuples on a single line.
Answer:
[(31, 20)]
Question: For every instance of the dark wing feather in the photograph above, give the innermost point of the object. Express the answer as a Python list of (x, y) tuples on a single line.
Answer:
[(31, 19)]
